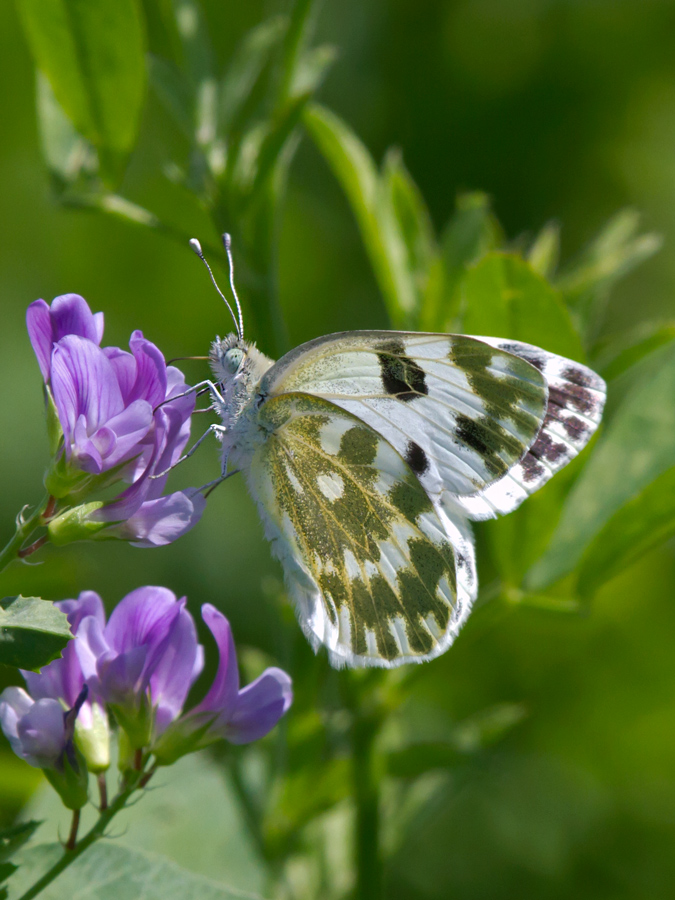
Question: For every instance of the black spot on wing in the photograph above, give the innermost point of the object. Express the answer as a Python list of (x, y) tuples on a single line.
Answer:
[(416, 458), (532, 468), (402, 377)]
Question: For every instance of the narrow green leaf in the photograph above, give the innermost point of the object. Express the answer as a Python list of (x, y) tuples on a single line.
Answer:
[(471, 232), (503, 295), (173, 91), (621, 353), (108, 871), (312, 69), (355, 170), (642, 524), (67, 154), (544, 253), (245, 69), (616, 251), (197, 52), (413, 219), (93, 57), (33, 632), (636, 448)]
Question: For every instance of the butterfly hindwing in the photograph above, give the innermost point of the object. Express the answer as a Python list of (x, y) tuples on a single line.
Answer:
[(380, 574), (459, 411)]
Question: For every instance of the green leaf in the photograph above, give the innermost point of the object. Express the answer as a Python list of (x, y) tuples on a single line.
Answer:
[(413, 218), (472, 735), (620, 354), (545, 250), (616, 251), (33, 632), (11, 839), (503, 295), (642, 524), (637, 446), (197, 51), (174, 92), (67, 154), (108, 871), (471, 232), (93, 57), (354, 168), (246, 67)]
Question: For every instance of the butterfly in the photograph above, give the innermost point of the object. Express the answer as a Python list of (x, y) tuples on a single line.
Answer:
[(368, 453)]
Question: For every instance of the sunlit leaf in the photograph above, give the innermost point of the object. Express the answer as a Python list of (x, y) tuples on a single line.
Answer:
[(503, 295), (642, 524), (636, 448), (93, 57), (33, 632), (67, 154)]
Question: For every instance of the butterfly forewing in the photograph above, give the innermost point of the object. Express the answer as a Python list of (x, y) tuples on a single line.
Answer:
[(380, 574)]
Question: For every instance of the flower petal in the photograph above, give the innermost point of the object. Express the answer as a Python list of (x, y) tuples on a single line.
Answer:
[(181, 663), (150, 381), (41, 732), (162, 521), (39, 325), (259, 707), (222, 695)]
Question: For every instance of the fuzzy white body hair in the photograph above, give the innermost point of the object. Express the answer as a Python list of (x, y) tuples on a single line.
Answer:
[(238, 367)]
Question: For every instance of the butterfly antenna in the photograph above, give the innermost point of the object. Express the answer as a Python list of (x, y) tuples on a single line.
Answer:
[(197, 247), (227, 243)]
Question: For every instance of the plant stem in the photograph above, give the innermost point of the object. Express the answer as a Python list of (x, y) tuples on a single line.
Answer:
[(96, 832), (24, 528), (367, 799), (74, 825), (102, 792)]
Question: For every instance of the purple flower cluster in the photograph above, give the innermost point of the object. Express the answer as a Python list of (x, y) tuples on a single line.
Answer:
[(116, 425), (140, 665)]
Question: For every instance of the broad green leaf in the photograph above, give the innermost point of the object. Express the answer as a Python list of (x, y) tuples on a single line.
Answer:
[(413, 218), (617, 250), (637, 446), (93, 57), (33, 632), (544, 253), (471, 232), (67, 154), (503, 295), (354, 168), (108, 871), (642, 524)]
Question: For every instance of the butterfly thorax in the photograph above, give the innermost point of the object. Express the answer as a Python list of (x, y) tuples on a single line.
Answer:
[(238, 367)]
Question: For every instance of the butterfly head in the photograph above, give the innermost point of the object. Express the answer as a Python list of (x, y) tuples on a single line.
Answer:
[(237, 362)]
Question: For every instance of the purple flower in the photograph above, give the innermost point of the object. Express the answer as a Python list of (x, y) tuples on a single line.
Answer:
[(69, 314), (35, 729), (63, 680), (228, 712), (144, 661), (112, 422)]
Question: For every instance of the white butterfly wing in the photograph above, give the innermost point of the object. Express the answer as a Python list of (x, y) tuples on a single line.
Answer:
[(381, 576), (481, 421)]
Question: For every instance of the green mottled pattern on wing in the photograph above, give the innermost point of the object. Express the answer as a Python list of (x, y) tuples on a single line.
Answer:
[(471, 409), (354, 513)]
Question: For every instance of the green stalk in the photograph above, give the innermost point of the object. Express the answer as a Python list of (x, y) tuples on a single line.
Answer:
[(96, 832), (24, 529), (367, 799)]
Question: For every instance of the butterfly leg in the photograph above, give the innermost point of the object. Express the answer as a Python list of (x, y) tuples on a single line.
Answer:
[(196, 388), (212, 429), (212, 485)]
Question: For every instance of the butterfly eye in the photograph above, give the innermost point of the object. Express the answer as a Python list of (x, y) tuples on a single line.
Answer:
[(233, 358)]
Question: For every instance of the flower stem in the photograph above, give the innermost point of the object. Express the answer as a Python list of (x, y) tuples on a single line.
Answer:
[(74, 825), (102, 792), (71, 853), (24, 529)]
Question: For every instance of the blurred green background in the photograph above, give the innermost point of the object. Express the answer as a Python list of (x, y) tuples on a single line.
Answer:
[(559, 109)]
